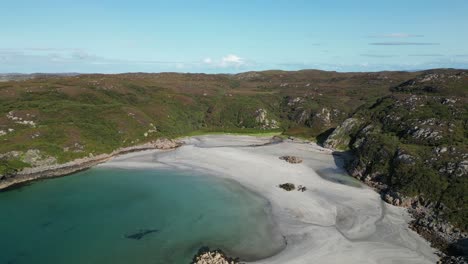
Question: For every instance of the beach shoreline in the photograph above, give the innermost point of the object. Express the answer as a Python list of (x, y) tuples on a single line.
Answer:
[(28, 175), (329, 223), (323, 224)]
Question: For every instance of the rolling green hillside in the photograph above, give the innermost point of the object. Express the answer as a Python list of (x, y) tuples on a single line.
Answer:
[(401, 120), (72, 116)]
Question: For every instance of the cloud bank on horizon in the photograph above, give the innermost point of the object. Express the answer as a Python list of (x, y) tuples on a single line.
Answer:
[(218, 37)]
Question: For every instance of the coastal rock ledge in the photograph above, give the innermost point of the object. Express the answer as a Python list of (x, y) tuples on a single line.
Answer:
[(206, 256)]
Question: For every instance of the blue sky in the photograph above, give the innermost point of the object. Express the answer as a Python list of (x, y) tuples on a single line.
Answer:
[(231, 36)]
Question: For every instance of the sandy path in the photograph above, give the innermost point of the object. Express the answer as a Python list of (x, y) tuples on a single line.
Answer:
[(329, 223)]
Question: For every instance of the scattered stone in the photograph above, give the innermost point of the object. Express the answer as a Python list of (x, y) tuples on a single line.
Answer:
[(301, 188), (19, 120), (453, 260), (291, 159), (287, 186)]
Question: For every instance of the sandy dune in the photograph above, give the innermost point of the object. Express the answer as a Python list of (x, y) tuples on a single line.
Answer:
[(329, 223)]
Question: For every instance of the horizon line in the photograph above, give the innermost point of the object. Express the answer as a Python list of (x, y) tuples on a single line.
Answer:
[(71, 73)]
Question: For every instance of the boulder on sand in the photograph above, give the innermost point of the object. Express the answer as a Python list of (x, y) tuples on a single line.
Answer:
[(291, 159), (287, 186)]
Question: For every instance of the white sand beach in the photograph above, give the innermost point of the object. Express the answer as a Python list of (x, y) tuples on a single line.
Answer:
[(329, 223)]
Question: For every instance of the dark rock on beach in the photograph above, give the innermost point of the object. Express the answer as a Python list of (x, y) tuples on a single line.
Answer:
[(287, 186), (291, 159)]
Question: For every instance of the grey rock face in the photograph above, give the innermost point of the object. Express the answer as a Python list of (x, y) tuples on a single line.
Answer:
[(340, 136)]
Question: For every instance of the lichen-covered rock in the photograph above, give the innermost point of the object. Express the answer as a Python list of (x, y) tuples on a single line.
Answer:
[(340, 137), (261, 117), (325, 117), (205, 256), (36, 158), (165, 143)]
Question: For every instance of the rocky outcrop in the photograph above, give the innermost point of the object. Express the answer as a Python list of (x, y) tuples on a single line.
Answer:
[(325, 117), (205, 256), (33, 157), (411, 149), (340, 137), (261, 117), (449, 240), (433, 81), (291, 159), (47, 171)]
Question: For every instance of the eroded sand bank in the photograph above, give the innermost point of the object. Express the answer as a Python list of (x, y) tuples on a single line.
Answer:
[(329, 223)]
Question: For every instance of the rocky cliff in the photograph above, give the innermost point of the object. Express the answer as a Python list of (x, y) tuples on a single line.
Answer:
[(412, 147)]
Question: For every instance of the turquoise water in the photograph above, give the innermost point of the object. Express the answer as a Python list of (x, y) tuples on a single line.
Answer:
[(132, 216)]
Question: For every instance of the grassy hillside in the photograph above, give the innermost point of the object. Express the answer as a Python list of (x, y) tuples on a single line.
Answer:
[(46, 119), (68, 117)]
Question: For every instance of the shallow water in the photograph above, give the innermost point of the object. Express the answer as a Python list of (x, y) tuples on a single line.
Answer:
[(113, 215)]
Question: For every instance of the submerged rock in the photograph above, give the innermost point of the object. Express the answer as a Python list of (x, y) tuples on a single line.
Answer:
[(141, 233)]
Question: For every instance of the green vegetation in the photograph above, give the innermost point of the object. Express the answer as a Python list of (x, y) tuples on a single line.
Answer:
[(11, 166), (413, 136), (76, 116), (241, 132), (417, 145)]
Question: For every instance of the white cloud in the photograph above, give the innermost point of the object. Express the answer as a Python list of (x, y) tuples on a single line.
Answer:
[(228, 61), (232, 60)]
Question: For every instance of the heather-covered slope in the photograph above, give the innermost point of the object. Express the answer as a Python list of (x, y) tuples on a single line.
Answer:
[(46, 119)]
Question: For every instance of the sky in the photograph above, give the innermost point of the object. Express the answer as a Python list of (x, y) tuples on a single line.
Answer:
[(113, 36)]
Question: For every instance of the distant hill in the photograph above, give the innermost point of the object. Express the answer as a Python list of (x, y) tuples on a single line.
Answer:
[(4, 77)]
